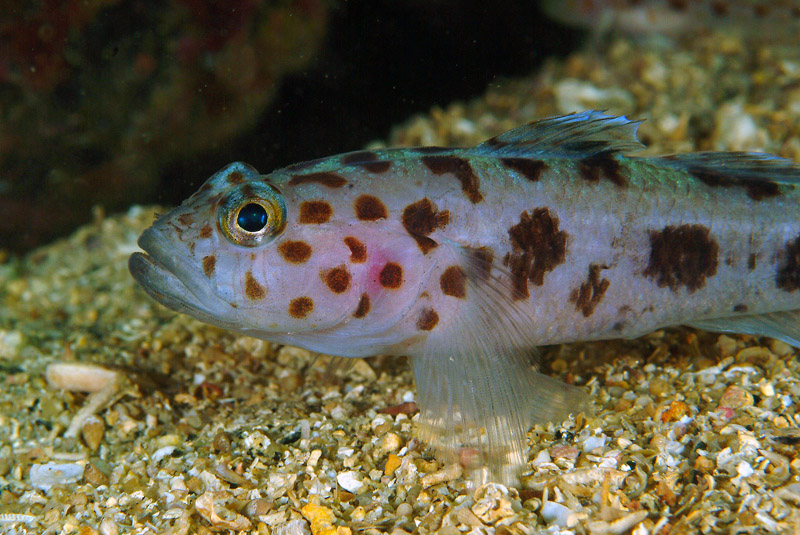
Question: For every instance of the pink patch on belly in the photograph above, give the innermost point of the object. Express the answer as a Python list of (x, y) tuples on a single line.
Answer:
[(376, 263)]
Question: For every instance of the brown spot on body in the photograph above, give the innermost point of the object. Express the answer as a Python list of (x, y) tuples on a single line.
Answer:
[(205, 232), (301, 307), (325, 178), (460, 167), (295, 252), (235, 177), (789, 268), (369, 208), (752, 260), (252, 289), (337, 279), (453, 282), (209, 264), (315, 212), (602, 166), (192, 245), (363, 306), (358, 251), (368, 160), (428, 319), (420, 219), (530, 169), (740, 308), (591, 292), (538, 247), (679, 5), (186, 219), (760, 10), (391, 276), (758, 188), (682, 255)]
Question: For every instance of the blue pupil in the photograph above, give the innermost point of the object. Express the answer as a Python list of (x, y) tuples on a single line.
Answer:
[(252, 217)]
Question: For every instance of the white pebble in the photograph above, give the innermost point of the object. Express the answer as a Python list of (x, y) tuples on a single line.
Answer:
[(45, 476), (160, 453), (575, 95), (10, 344), (79, 377), (744, 469), (592, 443), (555, 513), (349, 481), (293, 527)]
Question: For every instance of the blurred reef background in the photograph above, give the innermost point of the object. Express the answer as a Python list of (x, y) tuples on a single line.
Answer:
[(110, 103)]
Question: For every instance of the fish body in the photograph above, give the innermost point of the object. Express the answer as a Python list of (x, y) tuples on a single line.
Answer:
[(467, 259)]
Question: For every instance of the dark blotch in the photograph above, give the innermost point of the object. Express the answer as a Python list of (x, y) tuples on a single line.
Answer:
[(679, 5), (337, 279), (209, 264), (591, 292), (315, 212), (363, 307), (740, 308), (420, 219), (789, 268), (185, 219), (682, 255), (331, 180), (470, 183), (427, 320), (757, 188), (752, 260), (538, 246), (235, 177), (205, 232), (252, 289), (301, 307), (391, 276), (368, 160), (602, 166), (453, 282), (295, 252), (358, 251), (369, 208), (530, 169)]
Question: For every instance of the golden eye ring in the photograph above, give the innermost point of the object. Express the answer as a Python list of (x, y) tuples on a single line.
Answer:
[(252, 215)]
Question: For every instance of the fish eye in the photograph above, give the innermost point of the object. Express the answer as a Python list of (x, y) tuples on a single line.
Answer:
[(252, 215)]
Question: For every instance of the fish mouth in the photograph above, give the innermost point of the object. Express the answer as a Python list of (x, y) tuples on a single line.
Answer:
[(162, 274)]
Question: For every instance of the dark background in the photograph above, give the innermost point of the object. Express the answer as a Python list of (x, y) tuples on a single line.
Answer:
[(71, 142)]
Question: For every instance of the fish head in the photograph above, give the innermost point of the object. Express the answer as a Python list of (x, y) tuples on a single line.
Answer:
[(253, 254)]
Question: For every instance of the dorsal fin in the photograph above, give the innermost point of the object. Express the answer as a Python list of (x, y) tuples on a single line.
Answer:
[(576, 135), (736, 167)]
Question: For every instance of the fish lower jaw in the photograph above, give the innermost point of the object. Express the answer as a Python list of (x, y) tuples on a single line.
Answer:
[(165, 287)]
